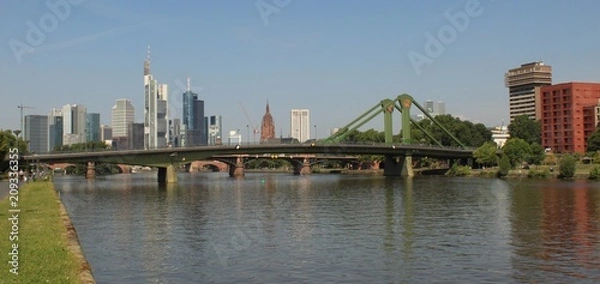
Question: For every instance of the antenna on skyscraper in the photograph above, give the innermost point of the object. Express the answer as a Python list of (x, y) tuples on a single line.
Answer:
[(188, 84), (147, 62)]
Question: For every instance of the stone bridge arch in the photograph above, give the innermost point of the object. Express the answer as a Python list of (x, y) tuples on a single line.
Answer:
[(208, 165)]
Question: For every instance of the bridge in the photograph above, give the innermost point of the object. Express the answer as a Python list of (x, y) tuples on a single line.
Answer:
[(397, 162)]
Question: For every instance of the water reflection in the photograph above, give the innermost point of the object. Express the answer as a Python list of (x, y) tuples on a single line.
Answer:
[(279, 228), (556, 231)]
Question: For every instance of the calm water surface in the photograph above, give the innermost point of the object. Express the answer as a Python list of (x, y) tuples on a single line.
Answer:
[(280, 228)]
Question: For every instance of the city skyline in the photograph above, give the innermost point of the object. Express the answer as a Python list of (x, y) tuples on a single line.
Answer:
[(292, 62)]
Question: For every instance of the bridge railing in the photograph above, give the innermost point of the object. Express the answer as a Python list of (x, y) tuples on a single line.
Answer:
[(319, 143)]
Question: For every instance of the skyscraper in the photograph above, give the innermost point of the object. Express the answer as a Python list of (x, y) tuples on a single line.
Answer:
[(92, 127), (300, 124), (123, 114), (135, 137), (55, 129), (193, 118), (74, 117), (267, 130), (435, 107), (156, 116), (105, 132), (36, 132), (215, 132), (524, 85)]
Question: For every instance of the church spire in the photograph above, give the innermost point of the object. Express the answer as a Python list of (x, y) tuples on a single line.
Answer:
[(268, 126)]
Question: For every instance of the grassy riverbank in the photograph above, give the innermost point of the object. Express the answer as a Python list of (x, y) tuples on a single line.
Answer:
[(48, 250)]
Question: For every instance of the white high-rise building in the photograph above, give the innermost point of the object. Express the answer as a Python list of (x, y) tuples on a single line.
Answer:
[(435, 107), (213, 123), (74, 117), (156, 110), (123, 114), (300, 124)]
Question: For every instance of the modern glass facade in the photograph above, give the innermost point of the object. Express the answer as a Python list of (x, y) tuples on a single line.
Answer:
[(92, 127), (193, 119), (36, 133)]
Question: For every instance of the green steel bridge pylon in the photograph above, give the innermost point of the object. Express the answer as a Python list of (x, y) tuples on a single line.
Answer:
[(402, 103)]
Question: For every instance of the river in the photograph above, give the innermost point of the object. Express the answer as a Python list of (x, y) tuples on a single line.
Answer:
[(281, 228)]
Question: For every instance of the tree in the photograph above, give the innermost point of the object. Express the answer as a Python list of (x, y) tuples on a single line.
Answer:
[(593, 142), (7, 141), (526, 129), (82, 147), (537, 154), (550, 159), (517, 150), (566, 167), (503, 166), (470, 134), (486, 154)]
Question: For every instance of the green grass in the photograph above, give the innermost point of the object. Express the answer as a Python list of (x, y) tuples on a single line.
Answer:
[(44, 256)]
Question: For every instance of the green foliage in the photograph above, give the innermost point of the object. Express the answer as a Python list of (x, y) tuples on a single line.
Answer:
[(524, 128), (82, 147), (596, 157), (458, 171), (268, 163), (517, 150), (538, 173), (595, 172), (566, 167), (107, 169), (9, 140), (593, 142), (537, 154), (504, 166), (77, 169), (550, 159), (486, 154), (101, 169), (473, 135)]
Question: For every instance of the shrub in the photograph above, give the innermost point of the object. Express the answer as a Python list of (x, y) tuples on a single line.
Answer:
[(503, 166), (566, 167), (459, 171), (538, 173), (595, 172)]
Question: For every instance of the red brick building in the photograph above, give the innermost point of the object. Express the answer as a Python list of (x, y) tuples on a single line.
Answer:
[(569, 115)]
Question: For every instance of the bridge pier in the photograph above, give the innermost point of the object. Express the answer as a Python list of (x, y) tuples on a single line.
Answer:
[(398, 166), (237, 170), (90, 172), (302, 168), (167, 175)]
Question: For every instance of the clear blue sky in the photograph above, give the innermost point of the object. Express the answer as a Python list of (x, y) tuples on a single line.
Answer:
[(337, 57)]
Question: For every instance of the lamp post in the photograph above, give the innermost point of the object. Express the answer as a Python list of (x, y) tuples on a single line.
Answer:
[(316, 133)]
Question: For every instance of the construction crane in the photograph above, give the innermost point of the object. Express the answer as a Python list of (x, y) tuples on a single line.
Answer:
[(254, 128), (21, 107)]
